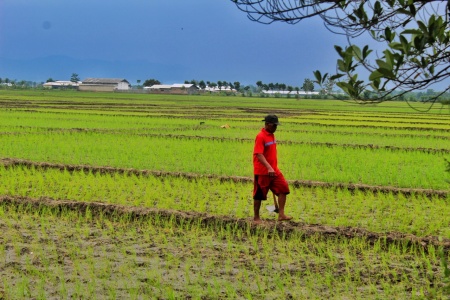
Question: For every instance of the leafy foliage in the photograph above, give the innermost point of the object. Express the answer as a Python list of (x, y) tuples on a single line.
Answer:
[(415, 35), (74, 77), (150, 82), (308, 85)]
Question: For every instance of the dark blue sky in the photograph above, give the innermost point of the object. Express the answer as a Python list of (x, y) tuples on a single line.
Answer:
[(170, 40)]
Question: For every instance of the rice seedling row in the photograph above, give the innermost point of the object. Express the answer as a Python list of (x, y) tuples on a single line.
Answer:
[(76, 231), (68, 254), (411, 169), (385, 116), (430, 193), (379, 212), (222, 138), (276, 229)]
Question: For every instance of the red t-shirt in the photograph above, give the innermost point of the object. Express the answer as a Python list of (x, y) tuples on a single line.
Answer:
[(266, 144)]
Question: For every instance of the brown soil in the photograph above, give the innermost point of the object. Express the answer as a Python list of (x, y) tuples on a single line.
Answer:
[(283, 228), (8, 162)]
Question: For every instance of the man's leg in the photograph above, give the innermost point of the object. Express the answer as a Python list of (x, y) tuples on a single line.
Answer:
[(260, 190), (256, 208), (281, 203)]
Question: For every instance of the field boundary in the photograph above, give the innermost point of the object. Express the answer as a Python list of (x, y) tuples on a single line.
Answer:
[(285, 229), (314, 144), (429, 193)]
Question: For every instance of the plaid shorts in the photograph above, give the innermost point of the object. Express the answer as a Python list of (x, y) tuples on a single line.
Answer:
[(264, 183)]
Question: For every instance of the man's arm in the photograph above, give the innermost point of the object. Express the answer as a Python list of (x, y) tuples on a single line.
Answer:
[(263, 160)]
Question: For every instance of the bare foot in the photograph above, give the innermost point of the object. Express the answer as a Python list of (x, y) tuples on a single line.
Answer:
[(257, 221), (284, 218)]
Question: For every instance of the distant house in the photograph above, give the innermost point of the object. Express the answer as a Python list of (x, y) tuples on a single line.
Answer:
[(176, 88), (293, 93), (216, 89), (104, 84), (61, 84)]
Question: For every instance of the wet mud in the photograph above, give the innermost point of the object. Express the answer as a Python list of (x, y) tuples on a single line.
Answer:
[(286, 229)]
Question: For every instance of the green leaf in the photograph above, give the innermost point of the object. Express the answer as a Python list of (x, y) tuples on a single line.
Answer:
[(348, 88), (341, 66), (376, 84), (405, 44), (412, 31), (319, 79), (387, 34), (338, 49), (318, 76), (422, 26), (343, 86), (357, 53), (418, 43), (337, 76), (389, 58), (391, 2), (412, 9), (366, 51), (396, 46), (383, 64), (377, 8), (386, 73), (431, 69), (352, 18), (375, 75)]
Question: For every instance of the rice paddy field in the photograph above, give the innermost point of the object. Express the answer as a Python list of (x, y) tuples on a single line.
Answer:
[(134, 196)]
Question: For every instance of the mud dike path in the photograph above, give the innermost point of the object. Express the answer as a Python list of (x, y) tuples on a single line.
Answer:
[(286, 229)]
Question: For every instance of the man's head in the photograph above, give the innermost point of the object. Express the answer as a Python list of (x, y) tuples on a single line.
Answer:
[(271, 122)]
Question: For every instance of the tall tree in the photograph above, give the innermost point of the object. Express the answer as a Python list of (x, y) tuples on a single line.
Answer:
[(259, 84), (74, 77), (308, 85), (150, 82), (297, 89), (414, 33)]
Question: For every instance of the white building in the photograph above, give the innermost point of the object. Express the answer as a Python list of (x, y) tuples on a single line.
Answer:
[(216, 89), (104, 84), (61, 84), (176, 88), (293, 93)]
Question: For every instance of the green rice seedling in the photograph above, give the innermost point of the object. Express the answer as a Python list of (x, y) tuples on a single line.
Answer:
[(97, 147), (123, 137)]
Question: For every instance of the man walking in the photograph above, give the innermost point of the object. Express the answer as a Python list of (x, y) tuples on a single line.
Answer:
[(266, 172)]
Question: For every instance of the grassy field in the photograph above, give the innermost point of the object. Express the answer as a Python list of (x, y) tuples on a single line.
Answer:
[(369, 196)]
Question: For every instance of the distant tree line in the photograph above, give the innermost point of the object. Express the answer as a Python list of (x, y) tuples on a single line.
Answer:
[(326, 91), (308, 86), (13, 83)]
